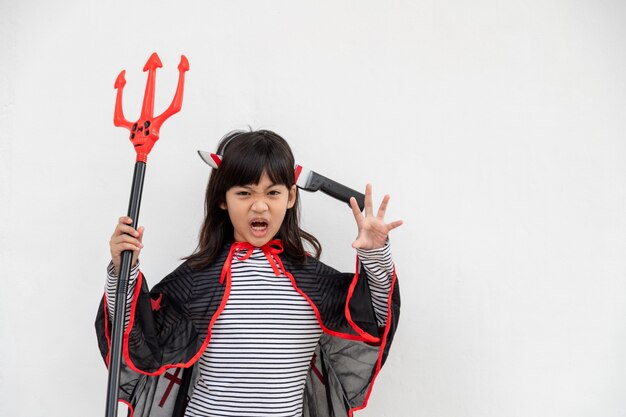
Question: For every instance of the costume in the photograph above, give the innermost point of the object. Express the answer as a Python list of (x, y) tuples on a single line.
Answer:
[(170, 328)]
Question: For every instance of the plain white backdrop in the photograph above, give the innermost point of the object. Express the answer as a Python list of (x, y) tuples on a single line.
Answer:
[(496, 126)]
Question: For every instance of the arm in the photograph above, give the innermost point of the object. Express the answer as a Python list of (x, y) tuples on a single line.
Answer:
[(372, 245), (124, 238), (379, 270), (111, 286)]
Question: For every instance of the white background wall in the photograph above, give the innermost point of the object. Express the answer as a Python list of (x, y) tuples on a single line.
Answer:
[(496, 126)]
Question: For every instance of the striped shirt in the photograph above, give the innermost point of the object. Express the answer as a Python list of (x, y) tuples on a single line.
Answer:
[(262, 343)]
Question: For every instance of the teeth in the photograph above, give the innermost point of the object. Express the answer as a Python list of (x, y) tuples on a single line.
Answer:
[(258, 225)]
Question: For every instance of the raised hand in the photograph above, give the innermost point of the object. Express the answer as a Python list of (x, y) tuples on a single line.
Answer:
[(125, 238), (373, 230)]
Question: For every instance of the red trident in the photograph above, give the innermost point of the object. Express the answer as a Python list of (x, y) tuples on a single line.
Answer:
[(145, 131), (143, 134)]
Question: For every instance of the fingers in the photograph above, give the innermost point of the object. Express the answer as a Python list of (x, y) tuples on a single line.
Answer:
[(117, 248), (369, 204), (373, 231), (124, 227), (125, 220), (126, 240), (125, 237), (383, 207), (356, 211), (382, 210), (393, 225)]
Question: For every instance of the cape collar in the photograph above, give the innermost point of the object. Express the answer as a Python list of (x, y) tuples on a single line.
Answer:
[(243, 250)]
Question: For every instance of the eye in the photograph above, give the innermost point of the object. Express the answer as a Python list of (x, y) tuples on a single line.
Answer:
[(274, 192), (242, 193)]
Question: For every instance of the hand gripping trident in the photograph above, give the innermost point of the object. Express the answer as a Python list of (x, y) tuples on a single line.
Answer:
[(143, 134)]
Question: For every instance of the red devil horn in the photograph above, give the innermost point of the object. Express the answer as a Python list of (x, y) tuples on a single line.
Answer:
[(216, 158)]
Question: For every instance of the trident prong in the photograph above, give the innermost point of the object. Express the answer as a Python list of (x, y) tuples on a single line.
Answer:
[(145, 131), (118, 116), (147, 109), (177, 101)]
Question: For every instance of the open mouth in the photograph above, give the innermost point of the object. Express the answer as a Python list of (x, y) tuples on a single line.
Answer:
[(259, 227)]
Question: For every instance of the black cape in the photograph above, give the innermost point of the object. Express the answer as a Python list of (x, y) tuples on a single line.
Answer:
[(170, 327)]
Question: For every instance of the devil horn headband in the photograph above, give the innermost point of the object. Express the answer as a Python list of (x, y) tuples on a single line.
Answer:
[(214, 160)]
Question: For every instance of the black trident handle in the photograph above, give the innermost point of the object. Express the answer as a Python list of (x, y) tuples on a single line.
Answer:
[(117, 331), (335, 189)]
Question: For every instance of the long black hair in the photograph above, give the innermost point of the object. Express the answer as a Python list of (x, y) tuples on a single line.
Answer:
[(245, 157)]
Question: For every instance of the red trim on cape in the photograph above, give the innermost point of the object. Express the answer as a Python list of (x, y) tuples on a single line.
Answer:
[(366, 336), (106, 329), (129, 405), (383, 342)]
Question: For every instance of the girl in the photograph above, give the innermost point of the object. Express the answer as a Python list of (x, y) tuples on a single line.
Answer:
[(251, 324)]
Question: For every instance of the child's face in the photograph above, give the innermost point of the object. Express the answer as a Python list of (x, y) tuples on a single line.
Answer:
[(257, 210)]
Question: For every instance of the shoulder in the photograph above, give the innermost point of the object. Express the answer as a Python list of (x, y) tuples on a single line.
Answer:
[(187, 268), (186, 274), (186, 283), (310, 266)]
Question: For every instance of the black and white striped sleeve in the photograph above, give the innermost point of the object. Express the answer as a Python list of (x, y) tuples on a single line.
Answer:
[(111, 286), (379, 267)]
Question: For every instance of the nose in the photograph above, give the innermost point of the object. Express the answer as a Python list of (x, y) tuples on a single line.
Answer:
[(259, 205)]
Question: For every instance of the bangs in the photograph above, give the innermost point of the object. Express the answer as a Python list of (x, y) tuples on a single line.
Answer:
[(247, 155)]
